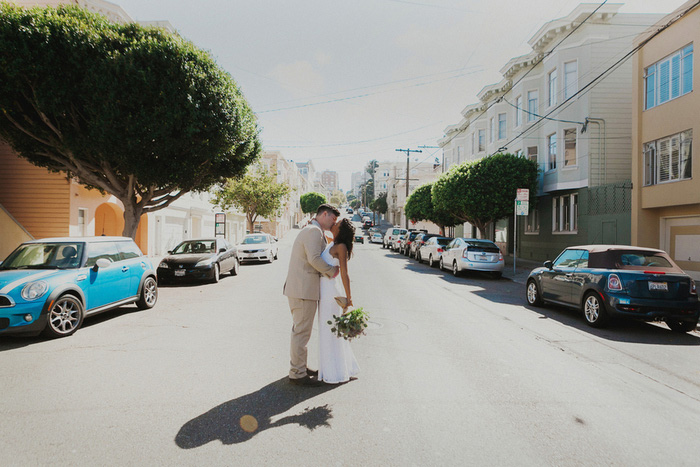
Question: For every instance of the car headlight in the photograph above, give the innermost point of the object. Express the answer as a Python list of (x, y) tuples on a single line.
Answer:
[(163, 265), (204, 262), (34, 290)]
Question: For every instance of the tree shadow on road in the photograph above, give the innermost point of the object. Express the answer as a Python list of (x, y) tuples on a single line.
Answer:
[(240, 419)]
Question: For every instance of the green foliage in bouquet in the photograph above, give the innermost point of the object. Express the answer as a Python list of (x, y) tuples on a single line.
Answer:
[(351, 324)]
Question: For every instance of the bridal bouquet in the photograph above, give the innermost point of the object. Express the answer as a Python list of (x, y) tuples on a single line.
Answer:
[(351, 324)]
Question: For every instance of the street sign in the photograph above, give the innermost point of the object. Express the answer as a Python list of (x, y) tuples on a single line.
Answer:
[(522, 208), (523, 194)]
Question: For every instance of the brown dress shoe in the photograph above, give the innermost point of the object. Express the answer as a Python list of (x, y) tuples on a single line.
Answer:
[(305, 381)]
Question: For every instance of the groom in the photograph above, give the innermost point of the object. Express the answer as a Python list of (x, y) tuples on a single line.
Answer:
[(302, 288)]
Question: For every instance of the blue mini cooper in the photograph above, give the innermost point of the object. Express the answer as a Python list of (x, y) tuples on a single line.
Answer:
[(50, 285)]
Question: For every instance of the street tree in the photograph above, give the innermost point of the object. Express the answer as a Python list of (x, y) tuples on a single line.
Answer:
[(133, 111), (420, 207), (311, 201), (338, 198), (367, 191), (484, 191), (355, 203), (379, 205), (256, 194)]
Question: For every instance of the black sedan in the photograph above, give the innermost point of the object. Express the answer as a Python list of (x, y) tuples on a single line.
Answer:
[(201, 259), (606, 281)]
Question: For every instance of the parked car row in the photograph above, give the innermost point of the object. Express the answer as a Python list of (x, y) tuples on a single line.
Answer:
[(453, 254), (50, 286)]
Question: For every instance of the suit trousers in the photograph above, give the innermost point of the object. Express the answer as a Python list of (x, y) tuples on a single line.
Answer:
[(303, 315)]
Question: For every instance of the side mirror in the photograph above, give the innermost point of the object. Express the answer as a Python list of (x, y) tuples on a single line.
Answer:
[(170, 252), (548, 264), (222, 250), (101, 264)]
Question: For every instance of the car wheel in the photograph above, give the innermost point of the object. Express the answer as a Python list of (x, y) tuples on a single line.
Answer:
[(594, 310), (533, 293), (431, 263), (442, 264), (681, 326), (418, 257), (149, 294), (455, 269), (65, 317), (236, 267), (217, 275), (270, 258), (276, 252)]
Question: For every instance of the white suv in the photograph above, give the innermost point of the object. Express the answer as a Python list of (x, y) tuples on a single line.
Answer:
[(391, 236)]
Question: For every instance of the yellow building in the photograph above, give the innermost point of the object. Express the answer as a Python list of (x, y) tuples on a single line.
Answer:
[(665, 176)]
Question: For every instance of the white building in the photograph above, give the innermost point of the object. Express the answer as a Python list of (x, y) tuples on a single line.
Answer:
[(566, 105)]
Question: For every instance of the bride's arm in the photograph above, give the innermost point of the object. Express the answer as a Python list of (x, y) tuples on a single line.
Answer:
[(343, 260)]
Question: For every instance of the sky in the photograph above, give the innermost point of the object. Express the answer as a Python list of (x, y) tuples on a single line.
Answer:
[(343, 82)]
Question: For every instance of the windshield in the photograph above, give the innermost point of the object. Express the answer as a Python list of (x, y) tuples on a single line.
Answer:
[(45, 256), (444, 241), (195, 247), (487, 247), (252, 239)]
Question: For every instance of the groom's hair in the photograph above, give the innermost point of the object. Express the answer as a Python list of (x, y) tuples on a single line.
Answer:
[(327, 208)]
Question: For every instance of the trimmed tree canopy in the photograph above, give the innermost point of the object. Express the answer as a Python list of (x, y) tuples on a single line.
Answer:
[(257, 194), (420, 206), (135, 111), (484, 191), (311, 201)]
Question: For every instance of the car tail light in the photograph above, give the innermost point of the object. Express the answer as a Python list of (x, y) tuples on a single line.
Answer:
[(693, 288), (465, 253), (614, 282), (439, 250), (654, 272), (500, 257)]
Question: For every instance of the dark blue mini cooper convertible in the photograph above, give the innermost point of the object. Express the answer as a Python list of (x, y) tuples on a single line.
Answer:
[(606, 281)]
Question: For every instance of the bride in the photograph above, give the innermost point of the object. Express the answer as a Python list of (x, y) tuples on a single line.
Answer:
[(337, 363)]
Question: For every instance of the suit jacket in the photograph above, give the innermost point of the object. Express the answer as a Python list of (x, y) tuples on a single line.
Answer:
[(306, 265)]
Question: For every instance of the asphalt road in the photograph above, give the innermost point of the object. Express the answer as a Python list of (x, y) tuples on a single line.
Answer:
[(455, 371)]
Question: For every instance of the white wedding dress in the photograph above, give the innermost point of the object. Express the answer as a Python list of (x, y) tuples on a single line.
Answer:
[(336, 363)]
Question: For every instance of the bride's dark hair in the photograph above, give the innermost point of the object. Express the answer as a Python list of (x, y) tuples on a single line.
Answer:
[(346, 234)]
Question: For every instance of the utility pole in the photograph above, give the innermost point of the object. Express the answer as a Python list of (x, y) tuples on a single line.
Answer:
[(408, 162)]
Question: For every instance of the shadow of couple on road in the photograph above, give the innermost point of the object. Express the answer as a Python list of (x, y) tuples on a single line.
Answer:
[(240, 419)]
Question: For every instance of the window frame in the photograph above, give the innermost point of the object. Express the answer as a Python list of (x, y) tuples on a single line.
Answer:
[(653, 155), (552, 88), (570, 88), (575, 148), (552, 154), (532, 109), (518, 111), (565, 214), (502, 126), (677, 68)]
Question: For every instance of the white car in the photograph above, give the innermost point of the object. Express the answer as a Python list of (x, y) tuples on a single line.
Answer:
[(432, 250), (258, 247), (376, 238), (391, 236), (472, 254)]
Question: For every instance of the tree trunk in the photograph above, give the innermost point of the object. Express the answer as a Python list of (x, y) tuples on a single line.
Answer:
[(250, 217), (132, 217)]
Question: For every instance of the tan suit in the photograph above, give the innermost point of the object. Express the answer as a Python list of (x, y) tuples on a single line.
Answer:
[(302, 289)]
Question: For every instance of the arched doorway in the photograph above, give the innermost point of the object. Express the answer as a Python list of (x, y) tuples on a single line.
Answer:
[(109, 219)]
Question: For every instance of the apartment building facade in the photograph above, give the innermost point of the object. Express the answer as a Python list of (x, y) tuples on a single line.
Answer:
[(665, 174), (566, 106)]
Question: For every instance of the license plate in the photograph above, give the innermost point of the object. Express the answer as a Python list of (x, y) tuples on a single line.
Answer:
[(663, 286), (179, 272)]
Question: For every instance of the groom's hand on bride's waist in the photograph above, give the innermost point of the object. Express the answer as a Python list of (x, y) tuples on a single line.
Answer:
[(336, 271)]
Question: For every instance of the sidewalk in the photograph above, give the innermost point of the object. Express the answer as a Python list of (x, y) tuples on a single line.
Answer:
[(522, 269)]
